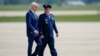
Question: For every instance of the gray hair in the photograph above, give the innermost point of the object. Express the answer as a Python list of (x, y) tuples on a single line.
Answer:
[(34, 4)]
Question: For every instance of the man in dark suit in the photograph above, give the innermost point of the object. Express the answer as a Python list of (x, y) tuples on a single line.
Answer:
[(46, 26), (32, 30)]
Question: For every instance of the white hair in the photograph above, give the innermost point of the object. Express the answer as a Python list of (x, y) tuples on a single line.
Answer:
[(34, 4)]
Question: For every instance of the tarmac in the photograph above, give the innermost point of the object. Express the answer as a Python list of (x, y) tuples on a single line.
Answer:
[(75, 39), (68, 12)]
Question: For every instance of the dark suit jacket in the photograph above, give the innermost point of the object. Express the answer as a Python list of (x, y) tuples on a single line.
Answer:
[(31, 23)]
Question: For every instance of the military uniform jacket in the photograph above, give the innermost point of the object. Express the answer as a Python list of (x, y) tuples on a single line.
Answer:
[(47, 25)]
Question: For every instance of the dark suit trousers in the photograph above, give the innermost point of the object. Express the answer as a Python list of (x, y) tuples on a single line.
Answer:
[(30, 45)]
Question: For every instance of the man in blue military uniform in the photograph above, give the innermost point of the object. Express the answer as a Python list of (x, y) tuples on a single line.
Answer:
[(46, 26), (32, 30)]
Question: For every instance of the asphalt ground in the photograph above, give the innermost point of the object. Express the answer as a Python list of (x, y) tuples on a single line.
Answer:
[(64, 12), (75, 39)]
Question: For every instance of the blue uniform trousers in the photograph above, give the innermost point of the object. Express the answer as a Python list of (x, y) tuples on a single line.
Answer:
[(50, 42)]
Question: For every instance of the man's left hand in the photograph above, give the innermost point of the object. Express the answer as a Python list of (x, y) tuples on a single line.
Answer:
[(57, 34)]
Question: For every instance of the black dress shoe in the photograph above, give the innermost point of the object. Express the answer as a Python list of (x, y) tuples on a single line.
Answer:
[(34, 55)]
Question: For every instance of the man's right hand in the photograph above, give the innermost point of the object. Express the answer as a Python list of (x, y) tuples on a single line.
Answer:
[(36, 32)]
